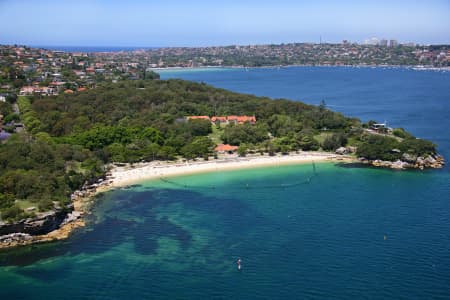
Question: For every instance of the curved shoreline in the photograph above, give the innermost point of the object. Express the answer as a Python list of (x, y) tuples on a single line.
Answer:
[(121, 176), (127, 175)]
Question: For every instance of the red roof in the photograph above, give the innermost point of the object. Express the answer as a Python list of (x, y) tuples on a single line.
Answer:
[(216, 118), (237, 119), (198, 118), (225, 148), (242, 119)]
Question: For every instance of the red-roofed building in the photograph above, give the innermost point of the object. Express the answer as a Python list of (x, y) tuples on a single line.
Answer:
[(223, 120), (27, 90), (198, 118), (241, 119), (226, 148), (219, 120)]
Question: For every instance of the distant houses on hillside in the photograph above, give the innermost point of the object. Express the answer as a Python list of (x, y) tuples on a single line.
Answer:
[(225, 120), (53, 89)]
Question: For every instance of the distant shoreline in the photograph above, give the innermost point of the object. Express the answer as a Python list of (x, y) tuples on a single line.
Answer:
[(411, 67)]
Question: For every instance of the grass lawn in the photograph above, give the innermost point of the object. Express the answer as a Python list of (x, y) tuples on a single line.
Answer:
[(216, 134), (322, 136), (24, 204)]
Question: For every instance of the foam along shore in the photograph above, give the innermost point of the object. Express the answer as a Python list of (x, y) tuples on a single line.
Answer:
[(131, 174), (121, 176)]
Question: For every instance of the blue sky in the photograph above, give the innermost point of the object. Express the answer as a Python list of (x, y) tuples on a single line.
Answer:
[(201, 22)]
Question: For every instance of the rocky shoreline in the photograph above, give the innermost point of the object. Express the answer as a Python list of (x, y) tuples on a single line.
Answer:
[(59, 223), (408, 162), (54, 225)]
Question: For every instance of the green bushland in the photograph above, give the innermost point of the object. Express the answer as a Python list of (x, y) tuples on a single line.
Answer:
[(69, 138)]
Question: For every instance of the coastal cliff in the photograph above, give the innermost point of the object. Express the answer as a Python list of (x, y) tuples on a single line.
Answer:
[(43, 223), (56, 224)]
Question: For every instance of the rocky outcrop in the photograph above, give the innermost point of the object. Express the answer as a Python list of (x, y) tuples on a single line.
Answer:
[(41, 224), (345, 150), (15, 237), (53, 225), (408, 161), (71, 217), (409, 158), (342, 151)]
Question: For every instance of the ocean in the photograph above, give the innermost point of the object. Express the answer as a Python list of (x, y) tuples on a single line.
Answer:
[(310, 231)]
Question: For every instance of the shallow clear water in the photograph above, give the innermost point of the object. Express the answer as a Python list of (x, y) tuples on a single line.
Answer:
[(320, 231)]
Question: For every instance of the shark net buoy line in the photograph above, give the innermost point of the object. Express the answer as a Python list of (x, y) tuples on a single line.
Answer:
[(246, 186)]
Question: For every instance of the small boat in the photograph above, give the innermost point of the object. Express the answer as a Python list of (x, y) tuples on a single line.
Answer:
[(239, 264)]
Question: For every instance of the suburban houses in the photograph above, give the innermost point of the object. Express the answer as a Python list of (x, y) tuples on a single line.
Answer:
[(43, 72)]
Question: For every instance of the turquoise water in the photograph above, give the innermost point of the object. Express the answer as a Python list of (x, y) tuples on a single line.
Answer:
[(320, 231)]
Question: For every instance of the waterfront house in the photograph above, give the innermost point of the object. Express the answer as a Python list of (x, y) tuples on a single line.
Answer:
[(381, 128), (226, 148)]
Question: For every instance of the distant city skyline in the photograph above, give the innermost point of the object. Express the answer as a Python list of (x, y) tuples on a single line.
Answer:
[(138, 23)]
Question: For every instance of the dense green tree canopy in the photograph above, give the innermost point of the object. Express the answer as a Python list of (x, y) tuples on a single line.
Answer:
[(69, 138)]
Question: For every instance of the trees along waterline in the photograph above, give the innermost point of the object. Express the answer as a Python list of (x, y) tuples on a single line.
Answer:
[(69, 138)]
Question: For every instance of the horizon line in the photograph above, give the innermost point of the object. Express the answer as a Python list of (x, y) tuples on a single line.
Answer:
[(43, 46)]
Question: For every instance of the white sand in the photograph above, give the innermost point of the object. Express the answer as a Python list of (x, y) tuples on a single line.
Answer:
[(122, 176)]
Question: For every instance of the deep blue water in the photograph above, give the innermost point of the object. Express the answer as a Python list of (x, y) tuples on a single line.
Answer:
[(329, 232), (419, 101)]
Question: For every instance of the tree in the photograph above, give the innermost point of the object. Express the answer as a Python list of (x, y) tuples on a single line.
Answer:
[(379, 147), (242, 150), (418, 147), (401, 133), (199, 127), (334, 141), (308, 143), (5, 108), (12, 213), (245, 133), (199, 147)]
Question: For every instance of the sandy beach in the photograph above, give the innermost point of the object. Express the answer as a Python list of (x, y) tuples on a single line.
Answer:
[(120, 176), (126, 175)]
